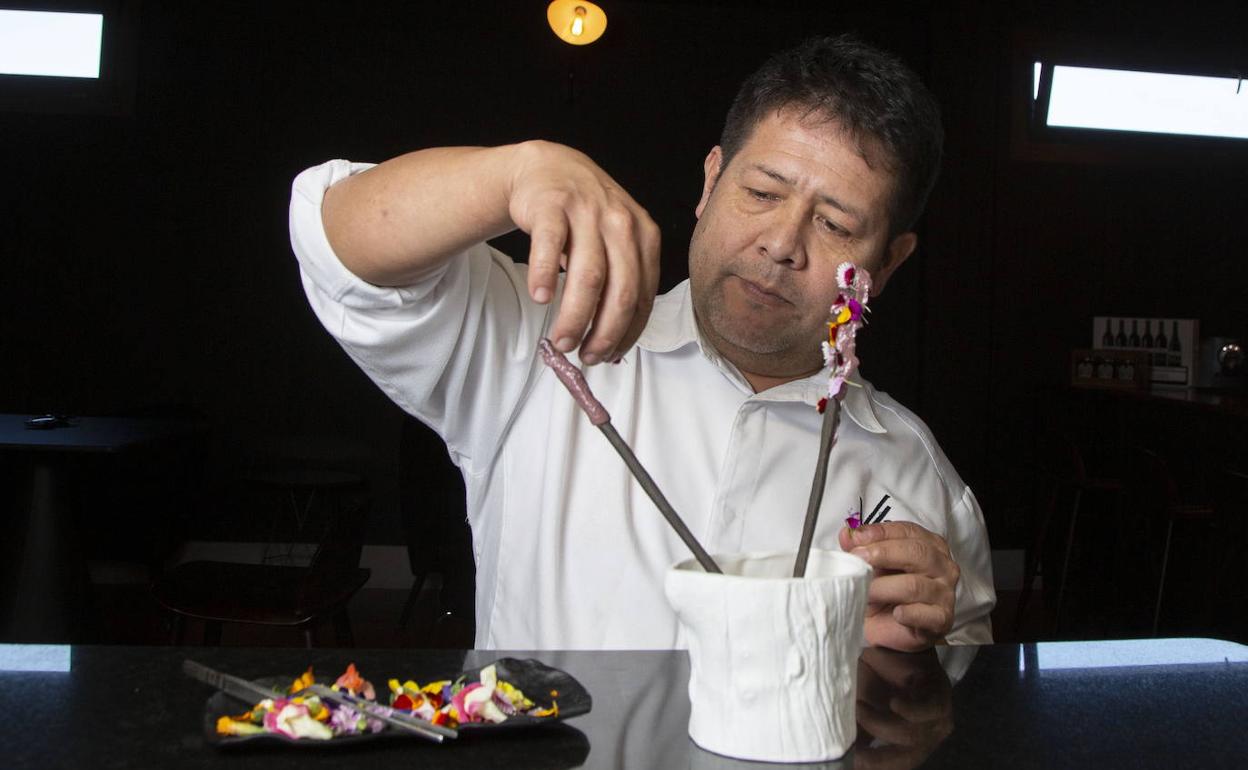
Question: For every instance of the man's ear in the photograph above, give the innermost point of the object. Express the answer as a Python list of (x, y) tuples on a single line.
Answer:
[(899, 249), (710, 171)]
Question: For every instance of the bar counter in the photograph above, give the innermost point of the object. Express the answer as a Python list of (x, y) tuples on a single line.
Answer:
[(1136, 703)]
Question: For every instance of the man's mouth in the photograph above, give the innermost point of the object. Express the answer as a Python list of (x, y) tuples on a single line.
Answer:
[(762, 294)]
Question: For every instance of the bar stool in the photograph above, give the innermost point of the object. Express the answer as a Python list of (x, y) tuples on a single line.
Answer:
[(282, 594), (1153, 492), (1230, 502), (1061, 469), (434, 514)]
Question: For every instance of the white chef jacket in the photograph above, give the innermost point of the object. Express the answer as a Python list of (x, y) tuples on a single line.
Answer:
[(570, 552)]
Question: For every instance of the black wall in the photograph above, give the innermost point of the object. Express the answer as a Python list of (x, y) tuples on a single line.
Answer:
[(144, 258)]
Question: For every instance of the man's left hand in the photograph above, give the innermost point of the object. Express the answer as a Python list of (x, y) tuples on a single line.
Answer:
[(910, 602)]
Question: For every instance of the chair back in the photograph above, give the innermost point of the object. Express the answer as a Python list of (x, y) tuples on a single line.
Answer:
[(1150, 484), (433, 506), (1058, 457), (336, 560)]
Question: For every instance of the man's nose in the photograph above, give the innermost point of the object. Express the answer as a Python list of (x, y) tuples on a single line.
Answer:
[(781, 240)]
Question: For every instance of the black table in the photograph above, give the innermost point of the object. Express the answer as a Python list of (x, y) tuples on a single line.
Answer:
[(1138, 704), (46, 591)]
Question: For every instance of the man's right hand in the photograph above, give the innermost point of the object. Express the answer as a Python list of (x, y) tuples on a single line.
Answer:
[(580, 220), (393, 223)]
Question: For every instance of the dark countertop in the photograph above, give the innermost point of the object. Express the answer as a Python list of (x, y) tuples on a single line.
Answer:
[(1220, 402), (91, 434), (1138, 704)]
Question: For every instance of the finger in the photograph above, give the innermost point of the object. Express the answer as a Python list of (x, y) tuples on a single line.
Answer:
[(883, 724), (618, 304), (884, 631), (845, 538), (871, 688), (893, 530), (902, 670), (933, 620), (905, 556), (582, 288), (546, 247), (891, 757), (927, 705), (908, 588), (649, 240)]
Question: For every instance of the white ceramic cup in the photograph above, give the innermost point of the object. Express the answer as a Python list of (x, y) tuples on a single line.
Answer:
[(773, 658)]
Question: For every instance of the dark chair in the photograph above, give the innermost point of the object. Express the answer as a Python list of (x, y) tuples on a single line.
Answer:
[(432, 504), (1154, 494), (281, 595), (1063, 476), (1230, 502)]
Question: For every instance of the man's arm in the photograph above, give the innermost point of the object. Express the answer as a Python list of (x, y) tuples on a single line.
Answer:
[(400, 220)]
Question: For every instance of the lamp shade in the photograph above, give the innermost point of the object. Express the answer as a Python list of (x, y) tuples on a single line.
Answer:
[(576, 21)]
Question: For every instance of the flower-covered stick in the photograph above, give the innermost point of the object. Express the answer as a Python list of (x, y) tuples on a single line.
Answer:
[(831, 418), (574, 381), (839, 355)]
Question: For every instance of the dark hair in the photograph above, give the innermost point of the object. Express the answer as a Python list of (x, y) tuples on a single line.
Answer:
[(873, 96)]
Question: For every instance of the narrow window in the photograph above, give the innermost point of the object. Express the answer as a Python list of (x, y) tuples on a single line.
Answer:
[(50, 44)]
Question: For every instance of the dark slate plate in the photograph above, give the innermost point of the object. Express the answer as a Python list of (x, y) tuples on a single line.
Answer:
[(534, 678)]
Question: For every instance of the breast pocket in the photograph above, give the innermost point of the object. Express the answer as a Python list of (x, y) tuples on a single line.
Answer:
[(884, 507)]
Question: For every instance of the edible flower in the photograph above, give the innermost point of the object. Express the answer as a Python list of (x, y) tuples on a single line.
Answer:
[(294, 721), (352, 682), (231, 726), (302, 682), (847, 315), (553, 711), (349, 721)]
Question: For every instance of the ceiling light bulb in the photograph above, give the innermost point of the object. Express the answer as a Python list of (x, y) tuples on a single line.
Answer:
[(578, 22)]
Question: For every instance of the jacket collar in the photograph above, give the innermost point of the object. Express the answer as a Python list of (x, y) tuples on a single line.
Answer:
[(672, 326)]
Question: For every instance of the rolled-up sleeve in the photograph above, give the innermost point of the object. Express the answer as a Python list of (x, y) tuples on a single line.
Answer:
[(975, 595), (455, 349)]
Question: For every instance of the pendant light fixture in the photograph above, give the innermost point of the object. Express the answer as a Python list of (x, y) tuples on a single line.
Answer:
[(576, 21)]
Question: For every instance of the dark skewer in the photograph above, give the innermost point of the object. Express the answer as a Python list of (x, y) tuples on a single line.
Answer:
[(831, 417), (574, 381), (876, 510)]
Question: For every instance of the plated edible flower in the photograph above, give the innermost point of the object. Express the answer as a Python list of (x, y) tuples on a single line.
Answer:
[(488, 700), (303, 716), (300, 714), (349, 721), (352, 682), (295, 720)]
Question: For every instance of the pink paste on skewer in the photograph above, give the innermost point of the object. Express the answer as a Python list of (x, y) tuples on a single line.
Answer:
[(574, 381)]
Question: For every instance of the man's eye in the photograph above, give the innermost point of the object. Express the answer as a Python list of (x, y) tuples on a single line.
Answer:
[(830, 226), (760, 195)]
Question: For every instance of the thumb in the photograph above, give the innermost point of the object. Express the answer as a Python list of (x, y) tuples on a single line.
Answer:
[(843, 537)]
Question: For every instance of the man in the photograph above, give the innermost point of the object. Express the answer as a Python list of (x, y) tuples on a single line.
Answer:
[(827, 155)]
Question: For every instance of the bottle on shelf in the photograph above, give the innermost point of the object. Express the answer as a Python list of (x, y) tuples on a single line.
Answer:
[(1147, 340), (1107, 339), (1086, 368), (1175, 355), (1135, 333), (1120, 340), (1125, 371), (1160, 344)]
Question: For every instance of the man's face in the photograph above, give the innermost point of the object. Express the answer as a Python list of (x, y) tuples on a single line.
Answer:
[(795, 202)]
